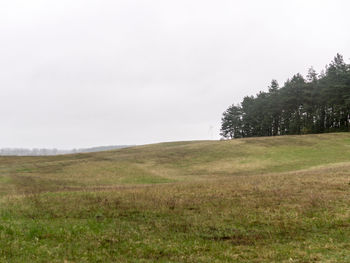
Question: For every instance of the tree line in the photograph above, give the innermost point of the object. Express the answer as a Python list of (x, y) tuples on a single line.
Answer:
[(319, 103), (47, 152)]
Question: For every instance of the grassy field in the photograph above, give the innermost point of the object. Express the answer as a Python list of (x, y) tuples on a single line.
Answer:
[(281, 199)]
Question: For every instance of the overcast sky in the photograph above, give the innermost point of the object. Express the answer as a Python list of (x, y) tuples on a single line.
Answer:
[(80, 73)]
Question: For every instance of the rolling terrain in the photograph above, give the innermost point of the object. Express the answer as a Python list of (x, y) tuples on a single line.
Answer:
[(267, 199)]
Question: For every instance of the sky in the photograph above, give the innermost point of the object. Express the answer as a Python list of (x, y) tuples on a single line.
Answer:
[(87, 73)]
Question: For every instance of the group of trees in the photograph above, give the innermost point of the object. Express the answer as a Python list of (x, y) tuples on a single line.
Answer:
[(316, 104)]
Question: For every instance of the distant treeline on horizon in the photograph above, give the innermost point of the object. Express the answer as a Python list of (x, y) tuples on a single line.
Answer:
[(44, 152), (318, 103)]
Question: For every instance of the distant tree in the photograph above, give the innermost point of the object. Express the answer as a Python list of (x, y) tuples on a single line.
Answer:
[(232, 122)]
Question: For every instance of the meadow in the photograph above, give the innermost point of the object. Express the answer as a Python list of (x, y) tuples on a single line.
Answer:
[(267, 199)]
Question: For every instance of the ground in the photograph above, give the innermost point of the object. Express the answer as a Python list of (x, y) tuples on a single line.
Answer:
[(280, 199)]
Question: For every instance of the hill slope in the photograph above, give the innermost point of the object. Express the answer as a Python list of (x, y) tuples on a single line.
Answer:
[(248, 200), (174, 162)]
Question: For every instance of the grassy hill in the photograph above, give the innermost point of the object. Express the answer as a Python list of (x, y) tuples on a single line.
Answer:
[(280, 199)]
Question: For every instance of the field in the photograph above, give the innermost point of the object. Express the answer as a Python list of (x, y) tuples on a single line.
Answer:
[(280, 199)]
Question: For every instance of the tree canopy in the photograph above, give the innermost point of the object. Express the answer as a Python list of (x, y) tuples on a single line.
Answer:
[(316, 104)]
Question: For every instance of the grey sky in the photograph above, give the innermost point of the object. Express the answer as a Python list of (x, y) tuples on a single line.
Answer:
[(95, 72)]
